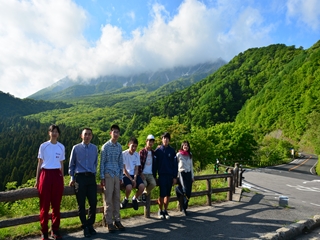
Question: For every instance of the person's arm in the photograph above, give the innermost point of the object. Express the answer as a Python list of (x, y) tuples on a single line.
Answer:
[(102, 161), (136, 172), (192, 174), (175, 169), (125, 172), (72, 166), (140, 168), (62, 170), (121, 164), (40, 161)]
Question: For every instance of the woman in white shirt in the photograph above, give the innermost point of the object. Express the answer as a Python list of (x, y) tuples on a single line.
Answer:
[(49, 182), (185, 176)]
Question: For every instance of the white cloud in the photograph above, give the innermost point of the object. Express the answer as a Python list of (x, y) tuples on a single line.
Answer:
[(196, 34), (41, 41), (305, 12)]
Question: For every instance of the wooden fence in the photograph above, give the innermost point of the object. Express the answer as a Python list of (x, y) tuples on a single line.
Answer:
[(24, 193)]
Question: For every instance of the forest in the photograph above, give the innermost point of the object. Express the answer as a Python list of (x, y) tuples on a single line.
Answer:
[(252, 110)]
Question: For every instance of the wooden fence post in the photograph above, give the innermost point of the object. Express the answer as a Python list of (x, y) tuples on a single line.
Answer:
[(147, 207), (230, 184), (209, 192), (236, 175)]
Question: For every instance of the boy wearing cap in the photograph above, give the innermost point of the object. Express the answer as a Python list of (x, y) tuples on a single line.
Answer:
[(167, 168), (147, 167), (131, 178)]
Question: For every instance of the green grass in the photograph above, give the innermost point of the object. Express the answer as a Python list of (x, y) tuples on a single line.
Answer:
[(318, 168), (31, 206)]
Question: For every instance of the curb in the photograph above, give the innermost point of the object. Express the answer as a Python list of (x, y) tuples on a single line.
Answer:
[(294, 230)]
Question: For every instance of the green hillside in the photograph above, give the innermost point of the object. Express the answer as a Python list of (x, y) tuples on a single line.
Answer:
[(11, 106), (289, 101), (219, 97)]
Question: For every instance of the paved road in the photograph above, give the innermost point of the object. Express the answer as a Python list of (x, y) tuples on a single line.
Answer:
[(257, 214)]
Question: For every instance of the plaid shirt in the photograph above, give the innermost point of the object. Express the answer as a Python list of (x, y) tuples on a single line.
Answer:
[(143, 158), (111, 160)]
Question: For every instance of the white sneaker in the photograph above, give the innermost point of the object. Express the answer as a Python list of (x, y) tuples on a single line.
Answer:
[(166, 215), (161, 214)]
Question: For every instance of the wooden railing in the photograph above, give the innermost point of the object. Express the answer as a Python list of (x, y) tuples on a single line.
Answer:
[(24, 193)]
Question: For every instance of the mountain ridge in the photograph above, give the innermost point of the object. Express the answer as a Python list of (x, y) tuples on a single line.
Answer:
[(67, 89)]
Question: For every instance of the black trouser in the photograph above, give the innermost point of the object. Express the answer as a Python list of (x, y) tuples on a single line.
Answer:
[(184, 187), (86, 187)]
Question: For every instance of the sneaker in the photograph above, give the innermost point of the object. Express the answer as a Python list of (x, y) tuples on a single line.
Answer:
[(91, 230), (144, 197), (184, 212), (166, 215), (111, 228), (45, 236), (119, 226), (135, 204), (86, 232), (161, 214), (124, 203), (56, 234)]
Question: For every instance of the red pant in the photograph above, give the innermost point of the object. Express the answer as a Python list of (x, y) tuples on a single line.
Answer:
[(50, 192)]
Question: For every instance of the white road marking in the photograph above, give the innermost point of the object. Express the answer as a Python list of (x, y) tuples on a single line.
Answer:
[(302, 188)]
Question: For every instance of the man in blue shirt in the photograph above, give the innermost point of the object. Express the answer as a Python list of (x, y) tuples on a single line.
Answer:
[(111, 174), (82, 169), (167, 168)]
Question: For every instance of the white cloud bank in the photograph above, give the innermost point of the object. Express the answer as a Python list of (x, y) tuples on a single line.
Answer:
[(306, 12), (41, 41)]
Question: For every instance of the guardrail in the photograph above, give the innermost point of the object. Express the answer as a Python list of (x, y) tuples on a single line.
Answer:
[(24, 193)]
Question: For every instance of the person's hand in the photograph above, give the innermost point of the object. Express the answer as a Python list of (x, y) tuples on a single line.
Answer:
[(134, 183), (174, 181), (102, 183), (71, 183)]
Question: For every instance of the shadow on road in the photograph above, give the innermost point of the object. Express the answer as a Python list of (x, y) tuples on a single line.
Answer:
[(254, 216)]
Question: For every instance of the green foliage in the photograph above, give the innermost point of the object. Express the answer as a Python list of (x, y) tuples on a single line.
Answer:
[(19, 144), (273, 151), (288, 98), (226, 141), (219, 97), (158, 126), (11, 186), (20, 107)]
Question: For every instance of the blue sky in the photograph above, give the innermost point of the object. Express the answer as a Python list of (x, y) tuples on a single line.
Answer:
[(42, 41)]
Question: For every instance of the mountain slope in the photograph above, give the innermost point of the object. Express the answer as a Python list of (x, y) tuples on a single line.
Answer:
[(220, 96), (289, 99), (66, 89), (12, 106)]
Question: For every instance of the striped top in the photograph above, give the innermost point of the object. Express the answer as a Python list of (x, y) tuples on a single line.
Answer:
[(111, 160)]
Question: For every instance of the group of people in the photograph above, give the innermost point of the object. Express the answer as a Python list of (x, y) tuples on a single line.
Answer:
[(130, 169)]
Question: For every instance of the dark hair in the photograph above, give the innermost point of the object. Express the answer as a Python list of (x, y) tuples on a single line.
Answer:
[(133, 140), (185, 142), (53, 127), (166, 135), (86, 128), (115, 127)]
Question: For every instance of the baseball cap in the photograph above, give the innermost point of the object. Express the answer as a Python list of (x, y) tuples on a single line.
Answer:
[(150, 137)]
